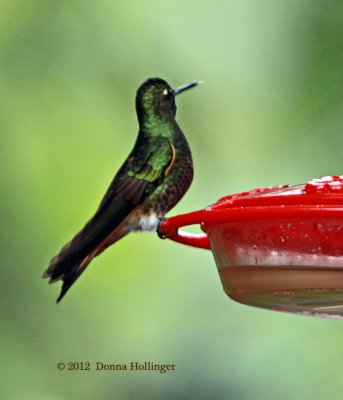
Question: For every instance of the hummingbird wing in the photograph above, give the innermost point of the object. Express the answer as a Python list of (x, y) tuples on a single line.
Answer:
[(139, 176)]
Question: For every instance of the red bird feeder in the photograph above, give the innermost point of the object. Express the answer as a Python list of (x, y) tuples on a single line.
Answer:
[(279, 248)]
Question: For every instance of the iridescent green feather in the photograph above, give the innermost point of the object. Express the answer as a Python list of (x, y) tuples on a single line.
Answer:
[(158, 158)]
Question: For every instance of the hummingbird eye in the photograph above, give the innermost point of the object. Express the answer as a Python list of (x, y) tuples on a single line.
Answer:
[(167, 92)]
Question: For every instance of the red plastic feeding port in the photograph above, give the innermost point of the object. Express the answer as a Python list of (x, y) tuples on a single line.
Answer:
[(279, 247)]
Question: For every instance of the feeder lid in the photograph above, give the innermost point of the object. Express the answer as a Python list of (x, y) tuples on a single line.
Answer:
[(320, 192)]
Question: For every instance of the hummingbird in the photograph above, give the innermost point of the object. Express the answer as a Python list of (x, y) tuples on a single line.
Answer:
[(155, 176)]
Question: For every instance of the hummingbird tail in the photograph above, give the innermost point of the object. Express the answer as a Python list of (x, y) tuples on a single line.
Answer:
[(68, 268), (70, 277), (67, 271)]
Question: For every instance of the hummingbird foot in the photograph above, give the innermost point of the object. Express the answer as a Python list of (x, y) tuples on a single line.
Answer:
[(159, 232)]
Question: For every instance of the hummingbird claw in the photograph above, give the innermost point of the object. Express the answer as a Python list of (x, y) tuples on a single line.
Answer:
[(161, 235), (159, 232)]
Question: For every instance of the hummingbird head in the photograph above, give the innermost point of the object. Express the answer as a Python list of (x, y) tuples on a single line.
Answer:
[(156, 99)]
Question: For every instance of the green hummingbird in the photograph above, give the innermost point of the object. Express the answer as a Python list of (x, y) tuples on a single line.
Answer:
[(155, 176)]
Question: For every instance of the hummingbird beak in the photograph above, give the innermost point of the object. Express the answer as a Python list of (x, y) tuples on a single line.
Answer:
[(186, 87)]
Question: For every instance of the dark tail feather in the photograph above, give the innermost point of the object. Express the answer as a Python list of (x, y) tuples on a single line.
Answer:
[(68, 266), (69, 278), (67, 271)]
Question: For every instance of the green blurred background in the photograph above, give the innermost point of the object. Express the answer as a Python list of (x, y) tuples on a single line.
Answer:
[(271, 112)]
